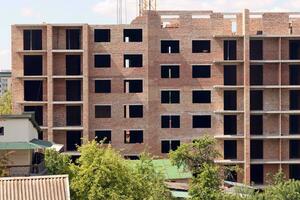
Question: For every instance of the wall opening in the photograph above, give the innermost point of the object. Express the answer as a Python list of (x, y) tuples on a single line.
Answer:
[(201, 71), (73, 115), (201, 121), (133, 111), (170, 121), (257, 174), (102, 35), (230, 174), (256, 49), (230, 124), (133, 86), (294, 74), (170, 46), (230, 149), (133, 60), (201, 96), (294, 124), (168, 145), (256, 100), (102, 61), (229, 49), (33, 65), (73, 37), (102, 86), (33, 90), (73, 65), (230, 98), (230, 75), (170, 71), (256, 75), (32, 39), (102, 111), (256, 124), (171, 96), (133, 35), (294, 49), (73, 140), (73, 90), (294, 149), (104, 136), (131, 157), (201, 46), (38, 113), (294, 171), (294, 99), (256, 149), (133, 136)]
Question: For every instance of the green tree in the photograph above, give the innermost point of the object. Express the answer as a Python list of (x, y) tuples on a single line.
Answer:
[(6, 103), (57, 163), (4, 161)]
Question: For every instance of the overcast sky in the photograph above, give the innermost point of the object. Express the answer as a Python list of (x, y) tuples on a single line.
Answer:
[(104, 12)]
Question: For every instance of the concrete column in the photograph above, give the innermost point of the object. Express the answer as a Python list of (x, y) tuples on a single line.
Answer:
[(246, 97), (85, 81), (49, 82)]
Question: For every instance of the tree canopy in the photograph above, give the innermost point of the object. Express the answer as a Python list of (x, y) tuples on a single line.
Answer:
[(6, 103)]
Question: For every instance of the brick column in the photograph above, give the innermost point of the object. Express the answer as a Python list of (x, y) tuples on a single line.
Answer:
[(85, 84), (246, 97), (49, 82)]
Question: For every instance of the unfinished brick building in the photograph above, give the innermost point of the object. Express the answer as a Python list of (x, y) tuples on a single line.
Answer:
[(165, 79)]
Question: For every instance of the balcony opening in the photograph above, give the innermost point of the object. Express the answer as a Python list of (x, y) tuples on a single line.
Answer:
[(257, 174), (133, 61), (294, 99), (133, 35), (104, 136), (294, 74), (230, 124), (33, 90), (133, 136), (256, 75), (102, 61), (33, 65), (201, 46), (133, 86), (170, 71), (170, 46), (73, 65), (256, 124), (32, 39), (73, 37), (132, 157), (230, 174), (73, 116), (201, 121), (133, 111), (102, 35), (256, 49), (230, 77), (38, 113), (229, 49), (294, 171), (230, 149), (201, 71), (169, 145), (170, 121), (230, 100), (294, 124), (294, 149), (294, 49), (73, 90), (102, 111), (73, 140), (256, 100), (102, 86), (256, 149), (201, 96), (170, 97)]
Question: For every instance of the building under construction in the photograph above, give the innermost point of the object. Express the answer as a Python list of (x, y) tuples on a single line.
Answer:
[(165, 79)]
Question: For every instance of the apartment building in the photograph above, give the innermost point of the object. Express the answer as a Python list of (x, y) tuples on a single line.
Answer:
[(165, 79), (5, 81)]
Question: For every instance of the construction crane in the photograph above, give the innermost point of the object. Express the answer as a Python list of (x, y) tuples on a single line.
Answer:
[(146, 5)]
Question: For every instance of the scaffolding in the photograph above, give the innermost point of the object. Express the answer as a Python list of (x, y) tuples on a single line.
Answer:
[(146, 5)]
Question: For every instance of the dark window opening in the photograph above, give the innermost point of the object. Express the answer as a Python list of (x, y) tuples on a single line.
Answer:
[(256, 49), (73, 90), (256, 124), (133, 137), (201, 46), (201, 121), (73, 65), (73, 38), (294, 74), (256, 149), (294, 124), (294, 171), (257, 174), (1, 130), (33, 65), (169, 145), (170, 97), (256, 75), (230, 124), (74, 159), (73, 116), (32, 39), (102, 35), (133, 35), (170, 71), (170, 46), (230, 100), (170, 121), (127, 157), (133, 86), (134, 111), (33, 90), (131, 61), (104, 136), (102, 111), (201, 71), (294, 49), (201, 96), (230, 174), (256, 100), (102, 61), (230, 149), (40, 135), (38, 113), (230, 77), (73, 140), (102, 86), (294, 99), (294, 149), (229, 49)]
